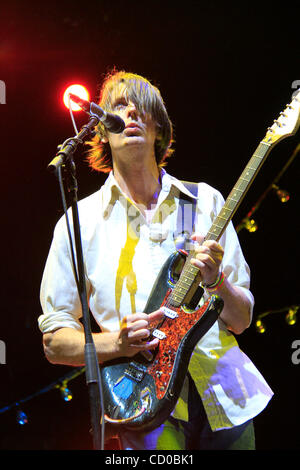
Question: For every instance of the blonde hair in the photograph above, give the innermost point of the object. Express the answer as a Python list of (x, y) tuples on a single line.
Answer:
[(147, 99)]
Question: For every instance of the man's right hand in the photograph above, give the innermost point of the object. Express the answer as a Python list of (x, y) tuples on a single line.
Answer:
[(135, 330)]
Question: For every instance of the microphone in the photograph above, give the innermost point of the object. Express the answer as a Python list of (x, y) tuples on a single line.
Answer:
[(112, 122)]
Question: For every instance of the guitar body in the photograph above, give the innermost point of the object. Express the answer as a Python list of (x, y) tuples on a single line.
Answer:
[(141, 393)]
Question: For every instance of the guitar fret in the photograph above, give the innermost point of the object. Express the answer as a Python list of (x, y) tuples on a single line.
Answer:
[(211, 232), (178, 295), (256, 156), (191, 270), (184, 282), (244, 179), (176, 301), (179, 288), (186, 270), (221, 217), (241, 182), (247, 173), (230, 198), (218, 226), (240, 187)]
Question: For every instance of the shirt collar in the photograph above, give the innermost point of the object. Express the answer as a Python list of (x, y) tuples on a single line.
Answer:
[(109, 192), (111, 189), (168, 181)]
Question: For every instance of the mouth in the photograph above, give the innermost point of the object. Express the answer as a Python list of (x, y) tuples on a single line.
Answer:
[(133, 126)]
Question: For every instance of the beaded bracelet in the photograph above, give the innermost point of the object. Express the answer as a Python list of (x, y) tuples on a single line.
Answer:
[(217, 284)]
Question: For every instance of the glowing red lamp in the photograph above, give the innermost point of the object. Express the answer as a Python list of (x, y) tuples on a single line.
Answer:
[(78, 90)]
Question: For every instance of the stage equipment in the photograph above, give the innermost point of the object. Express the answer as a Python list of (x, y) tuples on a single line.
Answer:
[(290, 317), (79, 90)]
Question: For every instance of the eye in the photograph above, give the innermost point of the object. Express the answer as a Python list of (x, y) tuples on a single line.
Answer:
[(120, 104)]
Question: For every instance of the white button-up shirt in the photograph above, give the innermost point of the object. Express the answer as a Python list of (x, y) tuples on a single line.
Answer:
[(123, 254)]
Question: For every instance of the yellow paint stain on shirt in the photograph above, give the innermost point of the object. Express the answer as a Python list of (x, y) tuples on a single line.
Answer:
[(125, 273)]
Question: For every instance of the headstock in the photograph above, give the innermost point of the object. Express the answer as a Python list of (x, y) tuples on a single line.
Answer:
[(287, 123)]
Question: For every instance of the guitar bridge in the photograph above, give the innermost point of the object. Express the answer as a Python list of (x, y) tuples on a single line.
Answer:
[(135, 371)]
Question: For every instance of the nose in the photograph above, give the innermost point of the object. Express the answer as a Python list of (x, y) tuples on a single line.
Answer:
[(131, 110)]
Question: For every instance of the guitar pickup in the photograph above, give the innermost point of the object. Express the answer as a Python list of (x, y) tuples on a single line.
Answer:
[(169, 313), (159, 334)]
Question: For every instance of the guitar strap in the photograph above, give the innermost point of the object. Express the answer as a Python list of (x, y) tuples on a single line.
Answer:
[(185, 228), (186, 216)]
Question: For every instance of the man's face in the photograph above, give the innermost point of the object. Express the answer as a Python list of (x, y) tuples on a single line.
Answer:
[(140, 130)]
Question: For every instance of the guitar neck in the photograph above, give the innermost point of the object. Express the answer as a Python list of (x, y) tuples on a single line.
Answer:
[(190, 273), (238, 192)]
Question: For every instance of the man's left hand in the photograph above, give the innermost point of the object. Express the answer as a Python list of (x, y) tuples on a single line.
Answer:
[(209, 255)]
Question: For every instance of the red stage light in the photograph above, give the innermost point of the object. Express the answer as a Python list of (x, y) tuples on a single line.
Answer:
[(78, 90)]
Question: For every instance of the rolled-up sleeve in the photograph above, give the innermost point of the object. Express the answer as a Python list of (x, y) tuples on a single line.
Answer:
[(59, 297)]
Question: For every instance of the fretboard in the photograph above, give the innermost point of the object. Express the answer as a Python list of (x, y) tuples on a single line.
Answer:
[(189, 272)]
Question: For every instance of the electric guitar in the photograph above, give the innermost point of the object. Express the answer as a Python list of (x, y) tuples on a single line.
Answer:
[(140, 393)]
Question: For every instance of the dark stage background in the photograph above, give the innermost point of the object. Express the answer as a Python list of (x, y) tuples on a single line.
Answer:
[(225, 73)]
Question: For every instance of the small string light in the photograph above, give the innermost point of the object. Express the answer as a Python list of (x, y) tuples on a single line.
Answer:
[(282, 194), (65, 392), (291, 316), (250, 225), (22, 417), (60, 384), (260, 327)]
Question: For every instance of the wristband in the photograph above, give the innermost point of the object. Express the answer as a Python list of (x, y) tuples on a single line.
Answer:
[(217, 284)]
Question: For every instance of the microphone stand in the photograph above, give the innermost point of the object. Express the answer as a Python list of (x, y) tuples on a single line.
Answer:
[(65, 157)]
